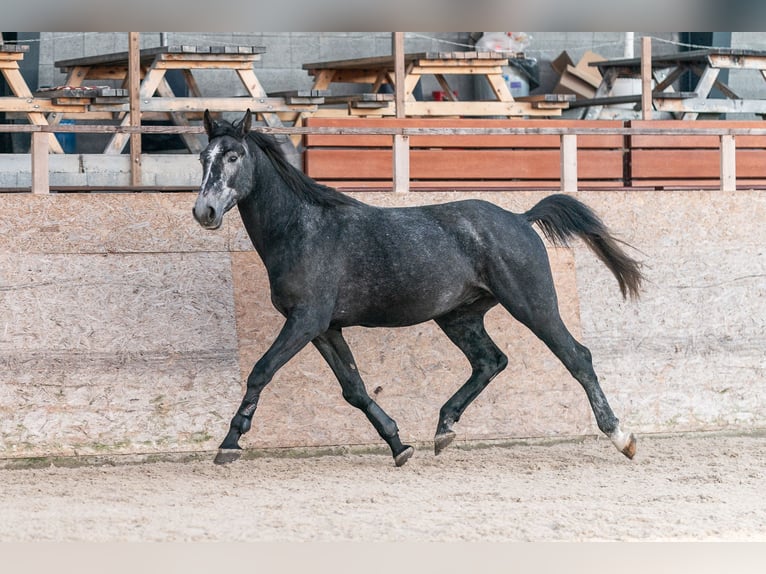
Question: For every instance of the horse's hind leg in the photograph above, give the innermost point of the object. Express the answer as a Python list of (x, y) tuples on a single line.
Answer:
[(537, 308), (465, 328), (336, 352)]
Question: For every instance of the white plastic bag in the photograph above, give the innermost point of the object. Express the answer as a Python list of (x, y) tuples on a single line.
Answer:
[(503, 42)]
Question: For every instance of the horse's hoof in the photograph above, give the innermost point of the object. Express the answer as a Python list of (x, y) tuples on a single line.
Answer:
[(630, 448), (227, 455), (404, 456), (442, 441)]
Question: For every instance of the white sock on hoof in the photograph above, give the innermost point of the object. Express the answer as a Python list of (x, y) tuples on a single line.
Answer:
[(620, 439)]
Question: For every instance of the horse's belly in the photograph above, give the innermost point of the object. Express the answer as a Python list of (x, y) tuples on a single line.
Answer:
[(405, 307)]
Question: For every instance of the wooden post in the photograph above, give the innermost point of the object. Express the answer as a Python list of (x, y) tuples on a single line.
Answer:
[(39, 154), (397, 49), (134, 84), (728, 163), (646, 78), (401, 143), (568, 162)]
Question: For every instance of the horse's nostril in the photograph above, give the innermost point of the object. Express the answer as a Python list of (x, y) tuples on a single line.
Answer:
[(210, 213)]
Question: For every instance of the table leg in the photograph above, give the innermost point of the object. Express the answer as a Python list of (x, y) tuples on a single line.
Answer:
[(149, 85), (19, 88), (446, 87), (271, 119), (499, 87), (702, 89), (603, 90), (192, 141)]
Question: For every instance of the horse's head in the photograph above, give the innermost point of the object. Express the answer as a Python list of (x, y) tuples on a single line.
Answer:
[(227, 170)]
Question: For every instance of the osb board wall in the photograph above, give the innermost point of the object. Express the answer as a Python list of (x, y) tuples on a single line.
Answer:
[(691, 355), (126, 328)]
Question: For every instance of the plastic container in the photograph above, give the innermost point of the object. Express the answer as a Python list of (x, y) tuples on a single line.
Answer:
[(68, 141), (515, 79)]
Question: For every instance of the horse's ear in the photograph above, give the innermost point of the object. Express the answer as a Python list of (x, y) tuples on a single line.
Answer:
[(244, 126), (208, 122)]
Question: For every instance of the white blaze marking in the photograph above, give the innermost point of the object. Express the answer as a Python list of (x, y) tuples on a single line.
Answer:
[(210, 155)]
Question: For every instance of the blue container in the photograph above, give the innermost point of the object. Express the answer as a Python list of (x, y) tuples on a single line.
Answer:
[(67, 140)]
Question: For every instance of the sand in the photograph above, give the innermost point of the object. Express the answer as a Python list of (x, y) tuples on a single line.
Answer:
[(690, 487)]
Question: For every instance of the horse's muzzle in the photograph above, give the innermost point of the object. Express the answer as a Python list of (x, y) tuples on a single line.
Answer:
[(207, 216)]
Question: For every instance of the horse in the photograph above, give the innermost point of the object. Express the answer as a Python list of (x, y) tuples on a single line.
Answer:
[(334, 262)]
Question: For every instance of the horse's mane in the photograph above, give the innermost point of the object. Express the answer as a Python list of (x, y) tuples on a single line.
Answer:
[(298, 182)]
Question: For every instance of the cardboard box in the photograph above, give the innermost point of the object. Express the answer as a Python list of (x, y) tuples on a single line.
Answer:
[(582, 79)]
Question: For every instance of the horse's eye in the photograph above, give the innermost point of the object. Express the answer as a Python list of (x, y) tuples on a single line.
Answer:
[(233, 158)]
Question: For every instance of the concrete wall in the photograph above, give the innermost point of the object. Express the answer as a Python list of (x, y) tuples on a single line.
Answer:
[(126, 328), (99, 171)]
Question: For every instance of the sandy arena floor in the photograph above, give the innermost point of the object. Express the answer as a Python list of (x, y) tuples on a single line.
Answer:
[(695, 487)]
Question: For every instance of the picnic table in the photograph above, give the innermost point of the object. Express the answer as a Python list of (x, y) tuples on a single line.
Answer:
[(157, 98), (666, 69), (378, 72)]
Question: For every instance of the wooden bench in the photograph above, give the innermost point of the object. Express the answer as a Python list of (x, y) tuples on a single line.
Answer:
[(692, 161), (460, 162)]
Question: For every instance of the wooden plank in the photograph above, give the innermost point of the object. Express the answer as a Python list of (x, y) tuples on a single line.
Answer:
[(400, 68), (376, 99), (44, 105), (463, 141), (147, 55), (451, 140), (728, 163), (672, 141), (460, 164), (568, 160), (712, 106), (674, 164), (134, 84), (605, 101), (463, 185), (401, 163), (13, 49), (82, 92), (548, 98), (432, 58), (458, 109), (694, 164), (236, 104), (39, 153), (673, 95), (301, 94), (646, 78)]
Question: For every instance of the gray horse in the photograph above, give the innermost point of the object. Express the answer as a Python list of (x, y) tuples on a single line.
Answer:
[(334, 262)]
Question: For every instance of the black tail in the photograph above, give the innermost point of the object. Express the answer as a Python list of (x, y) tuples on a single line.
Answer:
[(560, 217)]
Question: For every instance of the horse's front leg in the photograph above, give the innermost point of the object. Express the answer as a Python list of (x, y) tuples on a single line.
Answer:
[(300, 328), (336, 352)]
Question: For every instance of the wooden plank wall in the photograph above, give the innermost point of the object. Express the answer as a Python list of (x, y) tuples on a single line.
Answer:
[(693, 161), (531, 161), (460, 161)]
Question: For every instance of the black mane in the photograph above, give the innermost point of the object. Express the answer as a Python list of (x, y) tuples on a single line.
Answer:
[(299, 183)]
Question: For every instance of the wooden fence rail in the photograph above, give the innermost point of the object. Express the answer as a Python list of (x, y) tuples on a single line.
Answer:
[(568, 142)]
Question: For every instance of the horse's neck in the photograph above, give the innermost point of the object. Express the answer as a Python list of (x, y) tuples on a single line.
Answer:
[(271, 213)]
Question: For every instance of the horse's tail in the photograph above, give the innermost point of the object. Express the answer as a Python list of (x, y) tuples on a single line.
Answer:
[(560, 217)]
